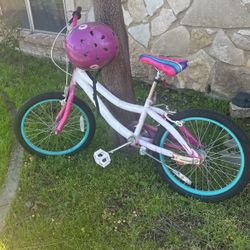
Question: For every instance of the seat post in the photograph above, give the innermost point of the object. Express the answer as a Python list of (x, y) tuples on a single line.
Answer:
[(156, 81)]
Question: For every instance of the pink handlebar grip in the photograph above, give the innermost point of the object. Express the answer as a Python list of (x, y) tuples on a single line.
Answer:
[(74, 22)]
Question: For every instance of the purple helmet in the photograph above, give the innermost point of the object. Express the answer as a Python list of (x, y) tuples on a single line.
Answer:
[(91, 45)]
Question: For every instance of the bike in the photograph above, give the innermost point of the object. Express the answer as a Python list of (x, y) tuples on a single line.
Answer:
[(200, 153)]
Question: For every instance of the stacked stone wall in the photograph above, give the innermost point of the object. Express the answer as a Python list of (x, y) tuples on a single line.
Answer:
[(214, 35)]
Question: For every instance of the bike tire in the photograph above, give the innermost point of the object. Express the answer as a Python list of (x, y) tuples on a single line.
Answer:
[(229, 160), (35, 121)]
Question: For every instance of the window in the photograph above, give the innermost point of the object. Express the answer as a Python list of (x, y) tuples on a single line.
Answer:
[(47, 15), (15, 13), (41, 15)]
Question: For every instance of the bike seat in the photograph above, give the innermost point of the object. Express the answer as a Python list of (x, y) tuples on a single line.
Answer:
[(169, 66)]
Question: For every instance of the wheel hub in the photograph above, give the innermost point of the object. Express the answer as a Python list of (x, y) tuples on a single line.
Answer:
[(202, 155)]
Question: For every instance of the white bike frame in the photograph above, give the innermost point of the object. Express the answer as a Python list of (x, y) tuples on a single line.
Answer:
[(81, 78)]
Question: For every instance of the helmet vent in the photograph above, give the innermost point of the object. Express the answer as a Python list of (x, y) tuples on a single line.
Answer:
[(95, 45), (97, 58), (102, 37), (82, 41), (106, 49), (91, 33)]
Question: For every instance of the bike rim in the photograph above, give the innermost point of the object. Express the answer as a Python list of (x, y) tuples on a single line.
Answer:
[(222, 168), (38, 125)]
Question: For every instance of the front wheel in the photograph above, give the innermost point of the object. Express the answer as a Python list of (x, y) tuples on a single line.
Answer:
[(225, 169), (35, 125)]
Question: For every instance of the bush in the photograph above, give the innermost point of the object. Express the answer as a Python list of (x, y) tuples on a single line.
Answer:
[(8, 36)]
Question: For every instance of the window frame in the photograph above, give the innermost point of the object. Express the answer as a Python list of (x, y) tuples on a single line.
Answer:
[(1, 9)]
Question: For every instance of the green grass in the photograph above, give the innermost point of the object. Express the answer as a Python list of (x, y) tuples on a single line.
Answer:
[(71, 203), (5, 141)]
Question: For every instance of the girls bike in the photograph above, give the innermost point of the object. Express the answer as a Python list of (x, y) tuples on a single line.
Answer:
[(200, 153)]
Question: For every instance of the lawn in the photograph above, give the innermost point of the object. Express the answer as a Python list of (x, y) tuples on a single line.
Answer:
[(71, 203), (6, 139)]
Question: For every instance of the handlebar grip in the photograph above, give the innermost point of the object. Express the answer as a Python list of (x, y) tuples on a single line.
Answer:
[(77, 13), (79, 9)]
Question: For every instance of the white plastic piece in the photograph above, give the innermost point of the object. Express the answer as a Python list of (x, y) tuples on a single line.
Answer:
[(182, 177), (102, 158), (82, 126), (143, 151)]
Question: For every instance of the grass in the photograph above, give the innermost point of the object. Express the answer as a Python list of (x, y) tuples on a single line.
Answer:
[(71, 203), (6, 140)]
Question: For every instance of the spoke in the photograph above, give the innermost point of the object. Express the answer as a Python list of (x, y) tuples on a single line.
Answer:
[(39, 142), (198, 132), (212, 176), (221, 144), (226, 149), (192, 168), (193, 130), (225, 184), (48, 141), (230, 168), (221, 171), (39, 118), (72, 143), (223, 161), (225, 154), (208, 181), (192, 172), (230, 156), (214, 141), (208, 173), (28, 120), (76, 123), (37, 134), (69, 130), (36, 129), (71, 135), (212, 136), (205, 132), (196, 178), (46, 112)]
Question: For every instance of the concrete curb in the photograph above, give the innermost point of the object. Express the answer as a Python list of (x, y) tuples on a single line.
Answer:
[(11, 182), (8, 193)]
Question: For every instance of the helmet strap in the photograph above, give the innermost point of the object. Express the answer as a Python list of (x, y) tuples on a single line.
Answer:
[(94, 80)]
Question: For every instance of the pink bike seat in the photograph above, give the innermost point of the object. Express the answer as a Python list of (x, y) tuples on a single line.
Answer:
[(170, 66)]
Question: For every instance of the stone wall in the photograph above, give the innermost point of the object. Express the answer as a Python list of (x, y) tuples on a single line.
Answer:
[(214, 35)]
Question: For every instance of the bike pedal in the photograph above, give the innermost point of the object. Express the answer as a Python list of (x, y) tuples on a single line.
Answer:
[(102, 158)]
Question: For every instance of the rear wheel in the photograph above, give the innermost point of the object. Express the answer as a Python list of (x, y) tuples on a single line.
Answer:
[(224, 147), (35, 124)]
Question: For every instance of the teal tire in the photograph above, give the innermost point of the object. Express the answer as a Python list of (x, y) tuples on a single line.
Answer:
[(34, 126), (225, 169)]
